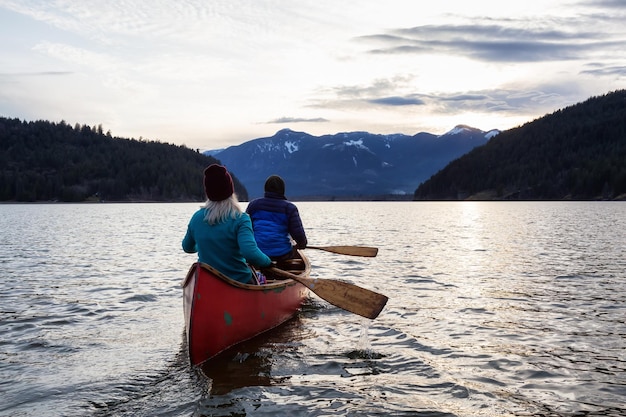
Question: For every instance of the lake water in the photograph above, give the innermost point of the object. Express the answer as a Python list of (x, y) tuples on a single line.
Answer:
[(495, 309)]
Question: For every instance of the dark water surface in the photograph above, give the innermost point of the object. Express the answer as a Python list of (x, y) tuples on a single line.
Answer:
[(496, 309)]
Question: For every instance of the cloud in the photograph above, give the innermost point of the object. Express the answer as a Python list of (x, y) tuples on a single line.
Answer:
[(609, 4), (36, 74), (607, 70), (505, 99), (497, 43), (189, 70), (385, 91), (351, 98), (397, 101), (546, 97), (281, 120)]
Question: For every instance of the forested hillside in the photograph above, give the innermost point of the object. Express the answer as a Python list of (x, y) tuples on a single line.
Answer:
[(44, 161), (576, 153)]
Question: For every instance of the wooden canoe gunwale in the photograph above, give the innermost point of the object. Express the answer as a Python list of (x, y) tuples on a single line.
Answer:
[(271, 284), (211, 300)]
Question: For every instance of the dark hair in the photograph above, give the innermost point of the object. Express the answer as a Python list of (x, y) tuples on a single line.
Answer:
[(275, 184)]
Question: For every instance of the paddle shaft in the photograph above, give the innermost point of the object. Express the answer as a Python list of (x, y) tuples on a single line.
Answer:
[(344, 295), (348, 250)]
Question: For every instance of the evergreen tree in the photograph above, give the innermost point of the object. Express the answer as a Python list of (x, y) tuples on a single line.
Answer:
[(44, 161)]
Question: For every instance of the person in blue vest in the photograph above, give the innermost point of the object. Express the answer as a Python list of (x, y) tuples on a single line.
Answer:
[(276, 222), (221, 233)]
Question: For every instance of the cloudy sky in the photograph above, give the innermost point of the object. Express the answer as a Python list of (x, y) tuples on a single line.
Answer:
[(209, 74)]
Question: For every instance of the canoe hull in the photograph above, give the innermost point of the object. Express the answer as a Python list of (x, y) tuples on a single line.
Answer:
[(220, 312)]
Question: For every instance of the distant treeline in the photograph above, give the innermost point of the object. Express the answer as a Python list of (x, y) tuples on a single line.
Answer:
[(45, 161), (576, 153)]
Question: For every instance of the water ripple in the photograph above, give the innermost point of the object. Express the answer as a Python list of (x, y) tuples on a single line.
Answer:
[(495, 310)]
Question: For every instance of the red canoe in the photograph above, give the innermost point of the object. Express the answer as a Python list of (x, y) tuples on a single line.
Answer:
[(221, 312)]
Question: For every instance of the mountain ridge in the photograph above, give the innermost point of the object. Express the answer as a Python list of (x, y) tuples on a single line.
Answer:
[(575, 153), (347, 165)]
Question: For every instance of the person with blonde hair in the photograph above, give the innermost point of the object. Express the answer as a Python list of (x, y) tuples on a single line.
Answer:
[(221, 233)]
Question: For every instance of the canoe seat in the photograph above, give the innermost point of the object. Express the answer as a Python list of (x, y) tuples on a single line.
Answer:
[(291, 265)]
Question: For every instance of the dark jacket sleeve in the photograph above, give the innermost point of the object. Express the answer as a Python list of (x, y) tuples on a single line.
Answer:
[(296, 229)]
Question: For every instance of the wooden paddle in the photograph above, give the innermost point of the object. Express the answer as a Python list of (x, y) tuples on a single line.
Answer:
[(349, 250), (344, 295)]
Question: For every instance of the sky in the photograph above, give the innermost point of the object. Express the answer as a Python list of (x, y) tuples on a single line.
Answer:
[(211, 74)]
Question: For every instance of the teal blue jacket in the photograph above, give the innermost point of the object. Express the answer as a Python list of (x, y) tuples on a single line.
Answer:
[(225, 246)]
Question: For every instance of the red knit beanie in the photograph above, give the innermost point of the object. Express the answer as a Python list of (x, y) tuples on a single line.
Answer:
[(218, 183)]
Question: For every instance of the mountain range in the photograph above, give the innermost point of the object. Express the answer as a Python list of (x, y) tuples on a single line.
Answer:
[(576, 153), (352, 165)]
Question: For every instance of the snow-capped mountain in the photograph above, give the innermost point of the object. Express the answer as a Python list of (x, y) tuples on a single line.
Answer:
[(354, 164)]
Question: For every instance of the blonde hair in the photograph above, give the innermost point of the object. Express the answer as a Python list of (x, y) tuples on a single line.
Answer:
[(219, 211)]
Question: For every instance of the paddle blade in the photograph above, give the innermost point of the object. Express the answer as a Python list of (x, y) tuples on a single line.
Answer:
[(344, 295), (349, 250)]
